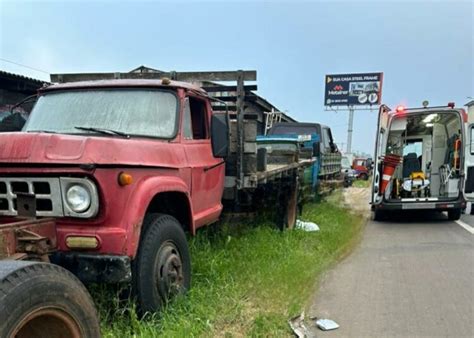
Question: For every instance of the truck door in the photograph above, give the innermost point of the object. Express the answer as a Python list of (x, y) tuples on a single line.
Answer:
[(380, 144), (469, 163), (207, 172)]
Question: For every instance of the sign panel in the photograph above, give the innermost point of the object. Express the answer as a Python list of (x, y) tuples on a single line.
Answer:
[(353, 89)]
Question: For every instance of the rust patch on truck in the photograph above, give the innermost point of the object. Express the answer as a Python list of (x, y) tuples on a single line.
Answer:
[(28, 238)]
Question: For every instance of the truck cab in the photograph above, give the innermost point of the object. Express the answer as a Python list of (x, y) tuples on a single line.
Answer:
[(362, 167), (125, 168), (320, 143), (421, 160)]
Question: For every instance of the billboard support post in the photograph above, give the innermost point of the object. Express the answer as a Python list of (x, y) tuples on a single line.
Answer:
[(349, 130)]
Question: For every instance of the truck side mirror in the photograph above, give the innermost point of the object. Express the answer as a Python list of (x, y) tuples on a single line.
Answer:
[(220, 135), (12, 122), (316, 149)]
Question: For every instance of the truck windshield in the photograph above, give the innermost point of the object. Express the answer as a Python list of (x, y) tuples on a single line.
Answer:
[(135, 112)]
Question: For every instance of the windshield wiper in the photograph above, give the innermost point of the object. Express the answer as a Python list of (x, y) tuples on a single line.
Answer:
[(104, 131), (42, 131)]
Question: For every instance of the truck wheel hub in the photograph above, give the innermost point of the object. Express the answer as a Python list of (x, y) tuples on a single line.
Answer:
[(170, 271)]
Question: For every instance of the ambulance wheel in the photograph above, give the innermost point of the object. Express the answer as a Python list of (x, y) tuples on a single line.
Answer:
[(378, 215), (42, 299), (454, 214)]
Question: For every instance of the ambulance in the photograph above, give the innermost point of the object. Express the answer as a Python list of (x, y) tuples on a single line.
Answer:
[(422, 161)]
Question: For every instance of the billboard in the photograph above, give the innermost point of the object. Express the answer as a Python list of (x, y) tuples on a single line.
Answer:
[(353, 89)]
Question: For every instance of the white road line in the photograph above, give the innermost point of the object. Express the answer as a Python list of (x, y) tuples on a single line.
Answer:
[(465, 226)]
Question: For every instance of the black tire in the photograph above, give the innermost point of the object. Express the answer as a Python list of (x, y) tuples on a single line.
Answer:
[(454, 214), (162, 267), (44, 300), (378, 215), (364, 176)]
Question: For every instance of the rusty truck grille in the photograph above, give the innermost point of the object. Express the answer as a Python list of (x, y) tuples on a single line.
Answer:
[(46, 190)]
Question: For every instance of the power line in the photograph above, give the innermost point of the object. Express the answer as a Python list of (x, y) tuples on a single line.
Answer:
[(21, 65)]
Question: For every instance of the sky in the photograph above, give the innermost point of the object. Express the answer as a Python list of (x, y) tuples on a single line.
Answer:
[(424, 48)]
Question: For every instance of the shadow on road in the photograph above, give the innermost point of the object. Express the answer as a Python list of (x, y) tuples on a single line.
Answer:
[(415, 216)]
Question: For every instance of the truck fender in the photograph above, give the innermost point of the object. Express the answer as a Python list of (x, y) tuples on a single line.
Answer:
[(140, 200)]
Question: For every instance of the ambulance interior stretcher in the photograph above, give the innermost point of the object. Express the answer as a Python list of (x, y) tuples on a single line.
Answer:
[(430, 146)]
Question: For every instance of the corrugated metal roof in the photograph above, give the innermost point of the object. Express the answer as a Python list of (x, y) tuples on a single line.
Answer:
[(470, 103), (21, 77)]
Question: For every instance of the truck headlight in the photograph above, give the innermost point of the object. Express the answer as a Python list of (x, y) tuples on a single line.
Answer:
[(78, 198)]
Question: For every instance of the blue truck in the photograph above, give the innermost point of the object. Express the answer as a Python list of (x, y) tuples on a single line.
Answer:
[(315, 140)]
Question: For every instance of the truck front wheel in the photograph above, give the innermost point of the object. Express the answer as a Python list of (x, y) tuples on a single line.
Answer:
[(44, 300), (162, 268)]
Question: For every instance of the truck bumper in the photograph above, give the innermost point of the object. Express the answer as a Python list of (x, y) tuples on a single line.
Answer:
[(90, 268), (435, 205)]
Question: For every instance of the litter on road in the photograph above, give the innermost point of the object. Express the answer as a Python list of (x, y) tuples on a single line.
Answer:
[(326, 324)]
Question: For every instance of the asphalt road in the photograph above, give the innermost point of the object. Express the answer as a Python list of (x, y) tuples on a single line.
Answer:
[(411, 277)]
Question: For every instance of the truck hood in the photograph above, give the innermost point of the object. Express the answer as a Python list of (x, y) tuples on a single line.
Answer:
[(43, 148)]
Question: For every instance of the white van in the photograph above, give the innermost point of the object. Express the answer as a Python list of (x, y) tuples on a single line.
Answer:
[(431, 151)]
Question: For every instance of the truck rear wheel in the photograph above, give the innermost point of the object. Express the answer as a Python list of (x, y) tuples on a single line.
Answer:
[(162, 268), (454, 214), (378, 215), (44, 300)]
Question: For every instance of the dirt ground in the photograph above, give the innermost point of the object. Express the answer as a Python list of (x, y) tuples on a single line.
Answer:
[(357, 199)]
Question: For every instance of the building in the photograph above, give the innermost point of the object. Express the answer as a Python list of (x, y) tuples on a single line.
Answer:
[(14, 88)]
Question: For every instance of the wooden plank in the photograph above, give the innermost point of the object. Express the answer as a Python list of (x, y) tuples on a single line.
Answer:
[(276, 169), (232, 108), (249, 75), (81, 77), (249, 116), (211, 89), (231, 98)]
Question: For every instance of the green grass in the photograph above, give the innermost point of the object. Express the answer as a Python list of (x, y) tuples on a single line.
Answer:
[(246, 280), (361, 183)]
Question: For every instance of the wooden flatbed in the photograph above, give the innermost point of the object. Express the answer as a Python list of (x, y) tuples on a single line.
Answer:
[(277, 170)]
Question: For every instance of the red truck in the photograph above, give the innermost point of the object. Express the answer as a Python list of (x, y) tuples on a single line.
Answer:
[(362, 167), (123, 169)]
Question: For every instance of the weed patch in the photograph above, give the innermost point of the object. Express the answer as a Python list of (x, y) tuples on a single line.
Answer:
[(361, 183), (244, 282)]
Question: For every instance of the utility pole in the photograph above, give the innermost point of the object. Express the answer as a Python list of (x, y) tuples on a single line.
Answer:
[(349, 129)]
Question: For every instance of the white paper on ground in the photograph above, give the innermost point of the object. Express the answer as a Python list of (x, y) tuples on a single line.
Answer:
[(327, 324), (306, 226)]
